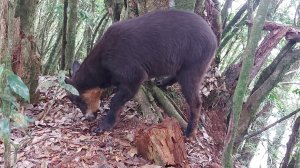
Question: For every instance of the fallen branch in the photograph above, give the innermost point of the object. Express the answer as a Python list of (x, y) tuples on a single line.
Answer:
[(168, 106), (146, 106), (293, 33)]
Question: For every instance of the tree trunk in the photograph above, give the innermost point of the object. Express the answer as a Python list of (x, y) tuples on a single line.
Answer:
[(249, 148), (50, 62), (114, 8), (132, 9), (145, 6), (64, 36), (88, 29), (7, 31), (212, 16), (254, 100), (199, 7), (295, 161), (273, 147), (163, 143), (185, 5), (30, 59), (71, 33), (290, 145), (242, 84), (224, 12)]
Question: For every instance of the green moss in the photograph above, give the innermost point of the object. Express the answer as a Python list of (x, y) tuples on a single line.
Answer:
[(184, 4)]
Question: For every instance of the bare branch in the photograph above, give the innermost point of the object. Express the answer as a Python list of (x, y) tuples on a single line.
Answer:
[(271, 125)]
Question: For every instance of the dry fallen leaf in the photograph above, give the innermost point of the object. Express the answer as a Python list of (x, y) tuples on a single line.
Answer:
[(132, 152), (151, 166), (63, 139)]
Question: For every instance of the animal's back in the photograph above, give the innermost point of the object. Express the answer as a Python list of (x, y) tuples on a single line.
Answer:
[(159, 42)]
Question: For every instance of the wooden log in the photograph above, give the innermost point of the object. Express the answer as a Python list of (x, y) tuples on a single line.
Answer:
[(163, 143)]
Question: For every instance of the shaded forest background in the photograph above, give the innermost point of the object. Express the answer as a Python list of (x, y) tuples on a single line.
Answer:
[(43, 37)]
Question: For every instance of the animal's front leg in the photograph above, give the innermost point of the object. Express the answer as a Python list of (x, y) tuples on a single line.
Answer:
[(124, 94)]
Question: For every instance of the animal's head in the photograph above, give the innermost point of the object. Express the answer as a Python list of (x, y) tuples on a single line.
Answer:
[(88, 99)]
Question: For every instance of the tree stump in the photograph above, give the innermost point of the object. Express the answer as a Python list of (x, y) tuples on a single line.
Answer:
[(163, 143)]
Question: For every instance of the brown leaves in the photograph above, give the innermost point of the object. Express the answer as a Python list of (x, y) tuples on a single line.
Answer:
[(59, 137), (213, 81)]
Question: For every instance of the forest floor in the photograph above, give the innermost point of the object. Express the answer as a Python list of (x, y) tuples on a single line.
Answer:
[(60, 137)]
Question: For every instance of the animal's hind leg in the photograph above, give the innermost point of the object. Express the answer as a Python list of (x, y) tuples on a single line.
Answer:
[(190, 83), (163, 83)]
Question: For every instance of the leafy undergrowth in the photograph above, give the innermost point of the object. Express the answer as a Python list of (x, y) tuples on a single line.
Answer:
[(60, 137)]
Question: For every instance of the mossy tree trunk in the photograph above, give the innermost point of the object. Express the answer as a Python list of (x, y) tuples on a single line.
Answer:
[(240, 91), (185, 5), (71, 33), (27, 63), (267, 81)]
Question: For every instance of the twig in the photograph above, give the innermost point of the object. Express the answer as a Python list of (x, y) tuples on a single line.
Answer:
[(271, 125)]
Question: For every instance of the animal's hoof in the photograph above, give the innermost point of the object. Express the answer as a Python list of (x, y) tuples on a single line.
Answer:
[(189, 132), (104, 126)]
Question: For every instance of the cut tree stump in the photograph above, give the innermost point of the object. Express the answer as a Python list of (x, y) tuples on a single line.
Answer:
[(163, 143)]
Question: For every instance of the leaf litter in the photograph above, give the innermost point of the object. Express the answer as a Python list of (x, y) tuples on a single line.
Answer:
[(60, 137)]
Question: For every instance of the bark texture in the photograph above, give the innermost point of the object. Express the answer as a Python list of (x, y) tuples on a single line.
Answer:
[(163, 143), (71, 33), (243, 81), (28, 55), (269, 82)]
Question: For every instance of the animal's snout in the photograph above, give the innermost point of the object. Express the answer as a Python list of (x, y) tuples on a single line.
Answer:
[(90, 116)]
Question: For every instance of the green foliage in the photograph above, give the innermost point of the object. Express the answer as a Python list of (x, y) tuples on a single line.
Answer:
[(17, 86), (296, 91), (60, 81), (4, 129), (11, 86), (67, 87)]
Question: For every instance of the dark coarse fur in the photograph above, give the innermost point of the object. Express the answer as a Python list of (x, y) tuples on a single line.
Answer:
[(163, 43)]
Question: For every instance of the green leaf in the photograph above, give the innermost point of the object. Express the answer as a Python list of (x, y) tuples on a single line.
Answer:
[(10, 98), (19, 119), (67, 87), (70, 88), (16, 84), (4, 129), (61, 77)]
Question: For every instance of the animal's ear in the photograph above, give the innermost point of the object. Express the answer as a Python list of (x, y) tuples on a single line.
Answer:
[(75, 67)]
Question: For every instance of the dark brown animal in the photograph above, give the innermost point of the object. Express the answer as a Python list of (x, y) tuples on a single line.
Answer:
[(170, 43)]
